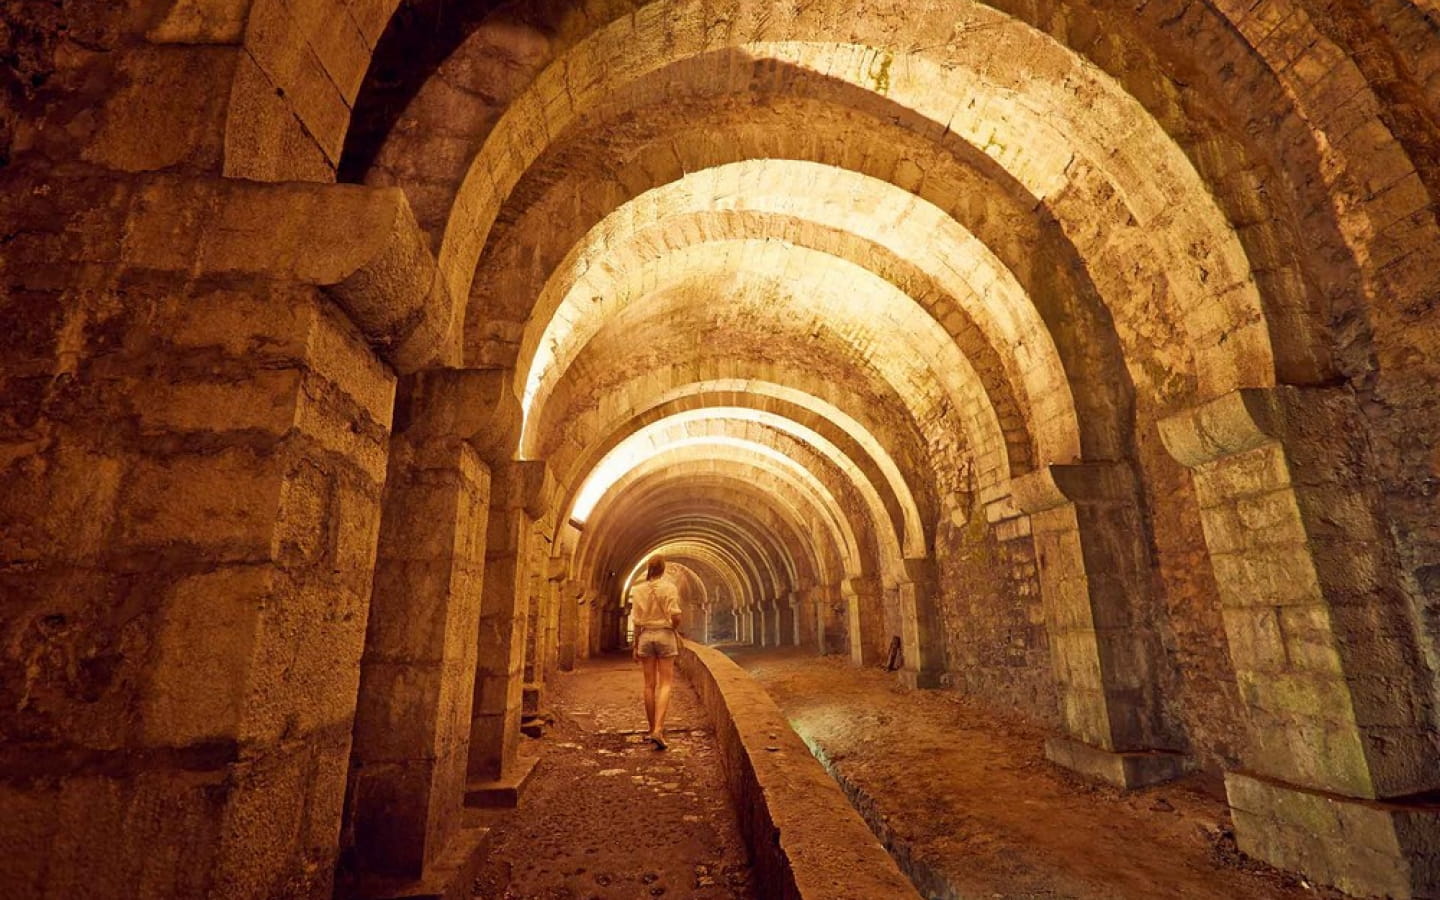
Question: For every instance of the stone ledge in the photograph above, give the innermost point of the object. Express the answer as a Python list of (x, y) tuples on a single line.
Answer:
[(504, 792), (1363, 847), (449, 877), (1124, 770), (805, 839), (921, 680)]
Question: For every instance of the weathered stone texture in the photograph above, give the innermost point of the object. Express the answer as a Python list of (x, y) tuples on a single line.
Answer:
[(997, 644), (1089, 349), (185, 621)]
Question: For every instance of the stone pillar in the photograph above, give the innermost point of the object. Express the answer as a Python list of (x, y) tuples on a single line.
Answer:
[(696, 620), (921, 632), (785, 620), (588, 645), (1094, 571), (554, 598), (412, 726), (519, 494), (542, 614), (802, 606), (197, 432), (1319, 633), (866, 620), (824, 599), (612, 629), (571, 628)]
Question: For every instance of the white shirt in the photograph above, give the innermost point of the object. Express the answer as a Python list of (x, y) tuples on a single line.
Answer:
[(652, 603)]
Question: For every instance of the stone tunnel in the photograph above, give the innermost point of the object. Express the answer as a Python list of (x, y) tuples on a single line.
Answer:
[(1073, 364)]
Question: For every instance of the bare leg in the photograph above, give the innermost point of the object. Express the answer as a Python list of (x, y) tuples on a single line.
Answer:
[(649, 664), (665, 678)]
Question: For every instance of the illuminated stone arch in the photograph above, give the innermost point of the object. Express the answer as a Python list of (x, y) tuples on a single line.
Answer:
[(803, 495), (889, 232), (811, 452), (1060, 161), (894, 442), (800, 421)]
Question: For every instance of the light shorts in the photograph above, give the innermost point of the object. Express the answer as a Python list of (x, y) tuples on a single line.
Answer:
[(659, 643)]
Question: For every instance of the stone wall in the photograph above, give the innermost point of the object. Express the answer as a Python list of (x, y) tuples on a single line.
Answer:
[(995, 629)]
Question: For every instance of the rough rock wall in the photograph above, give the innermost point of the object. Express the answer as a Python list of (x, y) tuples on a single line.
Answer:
[(995, 635)]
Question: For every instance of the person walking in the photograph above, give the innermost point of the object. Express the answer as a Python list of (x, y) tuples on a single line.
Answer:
[(655, 609)]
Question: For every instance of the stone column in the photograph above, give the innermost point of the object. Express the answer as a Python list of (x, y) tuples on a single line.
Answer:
[(612, 625), (1094, 570), (866, 620), (588, 645), (824, 598), (802, 606), (766, 623), (1321, 639), (571, 634), (785, 620), (542, 614), (197, 437), (412, 726), (554, 598), (519, 495), (921, 633)]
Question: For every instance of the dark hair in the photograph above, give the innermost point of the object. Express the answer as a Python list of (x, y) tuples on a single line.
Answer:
[(655, 567)]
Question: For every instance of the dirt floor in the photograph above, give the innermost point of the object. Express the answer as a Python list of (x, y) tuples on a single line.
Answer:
[(607, 816), (970, 807)]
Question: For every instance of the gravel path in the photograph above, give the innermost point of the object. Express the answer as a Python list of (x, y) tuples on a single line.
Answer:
[(606, 816)]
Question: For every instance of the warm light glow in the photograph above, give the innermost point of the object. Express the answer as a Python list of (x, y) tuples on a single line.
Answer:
[(640, 448), (614, 265), (912, 536), (780, 288)]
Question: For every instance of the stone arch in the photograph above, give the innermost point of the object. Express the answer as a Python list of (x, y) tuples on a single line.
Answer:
[(804, 496), (1044, 173), (1027, 384), (894, 495), (806, 448)]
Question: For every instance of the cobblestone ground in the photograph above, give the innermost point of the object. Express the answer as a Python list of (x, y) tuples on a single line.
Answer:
[(606, 816), (972, 808)]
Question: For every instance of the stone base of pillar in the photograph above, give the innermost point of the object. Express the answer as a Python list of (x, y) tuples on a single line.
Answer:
[(1363, 847), (530, 698), (1123, 770), (450, 877), (504, 792), (925, 679)]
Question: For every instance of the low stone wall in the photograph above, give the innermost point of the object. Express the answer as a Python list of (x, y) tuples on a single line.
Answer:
[(805, 839)]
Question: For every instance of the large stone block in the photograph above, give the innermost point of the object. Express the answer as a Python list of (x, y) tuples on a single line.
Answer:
[(393, 809), (168, 110), (222, 504), (1365, 848), (1123, 770), (264, 848), (398, 716), (199, 684)]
